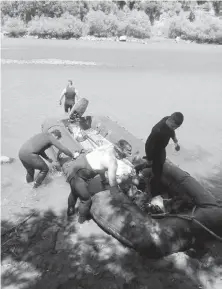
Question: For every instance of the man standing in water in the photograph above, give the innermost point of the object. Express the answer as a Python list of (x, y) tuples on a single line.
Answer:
[(32, 152), (70, 94), (155, 146), (86, 167)]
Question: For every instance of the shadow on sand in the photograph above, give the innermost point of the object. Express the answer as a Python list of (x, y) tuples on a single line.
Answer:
[(49, 252)]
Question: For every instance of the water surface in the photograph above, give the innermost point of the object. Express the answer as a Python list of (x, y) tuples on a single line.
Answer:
[(134, 84)]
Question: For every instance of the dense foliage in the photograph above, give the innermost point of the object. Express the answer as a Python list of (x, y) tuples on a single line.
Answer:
[(192, 20)]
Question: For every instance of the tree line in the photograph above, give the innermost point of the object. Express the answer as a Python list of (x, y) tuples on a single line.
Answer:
[(26, 10), (137, 19)]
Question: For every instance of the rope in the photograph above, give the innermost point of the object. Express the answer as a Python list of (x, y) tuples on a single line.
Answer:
[(189, 218), (192, 213), (204, 205), (184, 217)]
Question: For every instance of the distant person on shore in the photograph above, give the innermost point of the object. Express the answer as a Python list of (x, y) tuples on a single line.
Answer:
[(155, 146), (32, 152), (71, 95), (78, 172)]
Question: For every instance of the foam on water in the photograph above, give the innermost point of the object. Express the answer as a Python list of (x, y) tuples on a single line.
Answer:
[(63, 62), (50, 61)]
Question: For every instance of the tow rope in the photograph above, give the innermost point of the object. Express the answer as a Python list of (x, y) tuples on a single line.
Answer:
[(189, 218)]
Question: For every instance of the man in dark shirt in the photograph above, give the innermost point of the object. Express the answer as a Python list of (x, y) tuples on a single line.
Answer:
[(156, 143), (32, 152)]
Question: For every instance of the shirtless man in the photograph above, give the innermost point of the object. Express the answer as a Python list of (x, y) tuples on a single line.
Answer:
[(86, 167), (32, 152)]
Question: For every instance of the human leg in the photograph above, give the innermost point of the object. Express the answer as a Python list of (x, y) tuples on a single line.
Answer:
[(72, 199), (38, 163), (29, 172), (157, 168), (81, 190), (68, 107)]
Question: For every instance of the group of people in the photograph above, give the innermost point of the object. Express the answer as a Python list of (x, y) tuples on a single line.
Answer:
[(99, 161), (32, 152)]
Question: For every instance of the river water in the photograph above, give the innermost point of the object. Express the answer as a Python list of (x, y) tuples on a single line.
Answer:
[(134, 84)]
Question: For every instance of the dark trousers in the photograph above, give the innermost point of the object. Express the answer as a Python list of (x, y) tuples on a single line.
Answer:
[(158, 161), (32, 162), (68, 106), (79, 189)]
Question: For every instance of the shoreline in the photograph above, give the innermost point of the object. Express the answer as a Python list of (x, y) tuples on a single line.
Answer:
[(146, 41), (158, 44), (94, 38)]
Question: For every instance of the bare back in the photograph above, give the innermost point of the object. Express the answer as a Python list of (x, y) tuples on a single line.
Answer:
[(102, 158)]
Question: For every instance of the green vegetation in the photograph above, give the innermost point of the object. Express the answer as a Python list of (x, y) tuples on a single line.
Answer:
[(203, 29), (190, 20)]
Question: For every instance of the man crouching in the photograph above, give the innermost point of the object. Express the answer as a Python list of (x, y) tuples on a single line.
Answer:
[(86, 167)]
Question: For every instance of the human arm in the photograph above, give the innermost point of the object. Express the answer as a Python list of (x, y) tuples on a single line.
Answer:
[(104, 181), (112, 169), (77, 95), (62, 95), (103, 177), (150, 146), (175, 140), (60, 147), (44, 155)]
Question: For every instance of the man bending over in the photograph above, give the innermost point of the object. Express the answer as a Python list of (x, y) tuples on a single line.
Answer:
[(86, 167), (32, 152)]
